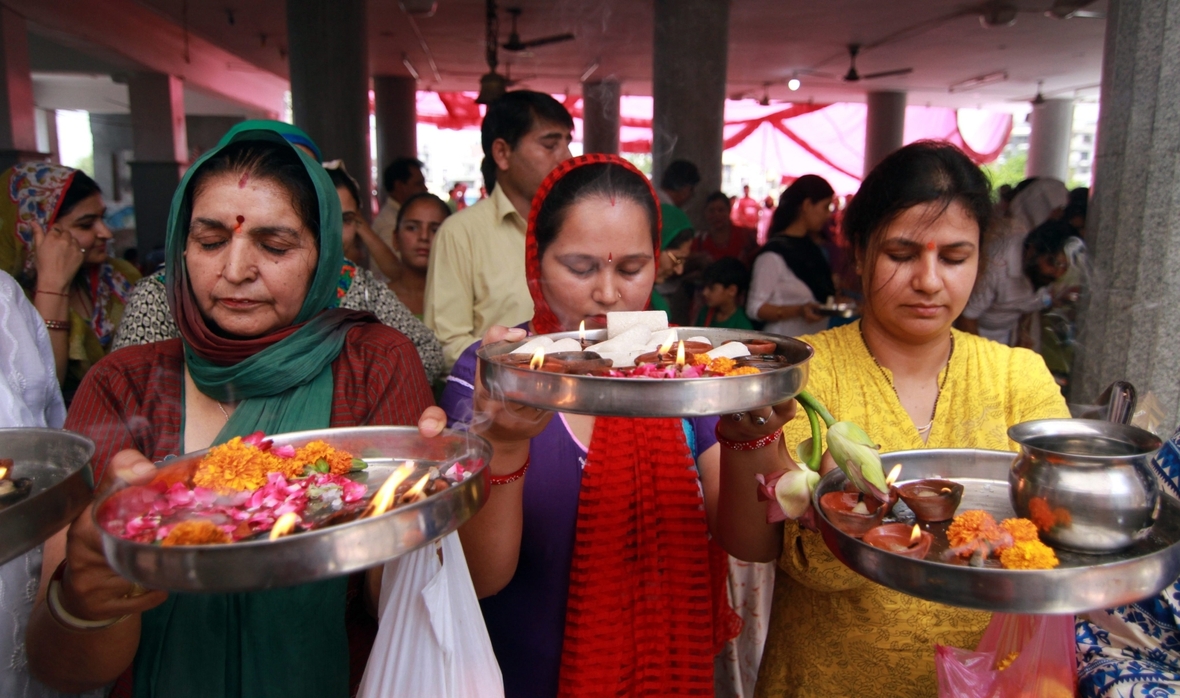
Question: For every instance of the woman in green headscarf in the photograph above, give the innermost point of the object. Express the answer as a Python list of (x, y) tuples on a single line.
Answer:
[(676, 234), (253, 256)]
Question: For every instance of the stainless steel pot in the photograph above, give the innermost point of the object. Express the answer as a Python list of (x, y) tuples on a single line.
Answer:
[(1087, 484)]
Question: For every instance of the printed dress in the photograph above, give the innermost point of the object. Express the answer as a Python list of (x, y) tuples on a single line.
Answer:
[(1134, 651)]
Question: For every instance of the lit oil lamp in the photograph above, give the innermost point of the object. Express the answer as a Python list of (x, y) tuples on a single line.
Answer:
[(582, 334), (901, 539), (284, 525), (576, 362), (761, 347), (12, 489), (854, 513), (384, 498), (663, 357), (538, 360), (932, 500), (415, 493)]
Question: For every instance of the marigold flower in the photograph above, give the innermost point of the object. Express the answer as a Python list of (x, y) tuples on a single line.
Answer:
[(1041, 514), (235, 466), (196, 532), (339, 462), (1029, 555), (974, 526), (743, 371), (1021, 529)]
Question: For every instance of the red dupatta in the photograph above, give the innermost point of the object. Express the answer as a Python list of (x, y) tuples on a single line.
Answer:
[(639, 619)]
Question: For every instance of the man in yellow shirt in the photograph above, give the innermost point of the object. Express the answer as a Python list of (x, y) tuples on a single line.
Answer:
[(476, 277)]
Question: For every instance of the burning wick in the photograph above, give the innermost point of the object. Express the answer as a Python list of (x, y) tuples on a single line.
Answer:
[(680, 355), (415, 493), (538, 359), (384, 497), (582, 333), (893, 475), (284, 525), (7, 486), (3, 472), (238, 227), (915, 536), (666, 347)]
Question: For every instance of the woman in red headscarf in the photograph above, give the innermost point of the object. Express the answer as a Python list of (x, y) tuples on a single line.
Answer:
[(592, 554)]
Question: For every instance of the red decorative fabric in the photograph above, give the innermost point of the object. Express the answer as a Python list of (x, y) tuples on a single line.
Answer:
[(639, 619)]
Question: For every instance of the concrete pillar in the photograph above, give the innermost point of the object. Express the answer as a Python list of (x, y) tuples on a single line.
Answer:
[(600, 117), (884, 126), (691, 49), (395, 101), (161, 152), (329, 60), (1130, 318), (18, 128), (1048, 143)]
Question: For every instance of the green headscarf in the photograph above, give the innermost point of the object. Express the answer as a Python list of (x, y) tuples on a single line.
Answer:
[(281, 642), (674, 221)]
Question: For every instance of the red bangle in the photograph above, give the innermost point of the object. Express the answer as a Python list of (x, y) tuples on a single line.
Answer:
[(511, 477), (747, 445), (50, 293)]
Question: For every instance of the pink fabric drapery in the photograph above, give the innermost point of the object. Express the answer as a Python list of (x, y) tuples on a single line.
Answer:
[(791, 139)]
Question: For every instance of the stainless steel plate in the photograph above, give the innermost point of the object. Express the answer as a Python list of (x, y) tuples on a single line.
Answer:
[(326, 552), (58, 463), (636, 397), (1081, 583)]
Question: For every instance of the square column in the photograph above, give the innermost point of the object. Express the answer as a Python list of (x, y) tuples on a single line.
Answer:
[(161, 153), (18, 127), (329, 58), (395, 103), (600, 117), (884, 126), (1048, 142), (691, 51)]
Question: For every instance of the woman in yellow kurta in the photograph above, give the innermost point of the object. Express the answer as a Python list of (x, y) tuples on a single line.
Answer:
[(911, 382)]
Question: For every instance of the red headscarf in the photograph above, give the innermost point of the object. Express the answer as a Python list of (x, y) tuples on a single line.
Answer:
[(639, 619)]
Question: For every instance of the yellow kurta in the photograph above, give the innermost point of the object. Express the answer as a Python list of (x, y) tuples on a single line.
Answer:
[(833, 632)]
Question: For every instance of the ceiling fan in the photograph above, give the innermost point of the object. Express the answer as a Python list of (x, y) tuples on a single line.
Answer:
[(515, 43), (1069, 9), (854, 76)]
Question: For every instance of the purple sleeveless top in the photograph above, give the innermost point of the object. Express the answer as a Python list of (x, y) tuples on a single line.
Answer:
[(526, 620)]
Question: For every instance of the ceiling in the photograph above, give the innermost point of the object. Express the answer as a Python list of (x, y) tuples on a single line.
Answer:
[(770, 41)]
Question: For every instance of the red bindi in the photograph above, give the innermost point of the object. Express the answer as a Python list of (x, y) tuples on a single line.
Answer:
[(930, 246), (610, 257), (238, 227)]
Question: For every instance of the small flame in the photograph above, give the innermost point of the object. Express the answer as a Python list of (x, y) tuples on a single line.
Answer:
[(414, 493), (3, 473), (915, 535), (666, 347), (680, 355), (582, 332), (538, 358), (893, 475), (284, 525), (384, 497)]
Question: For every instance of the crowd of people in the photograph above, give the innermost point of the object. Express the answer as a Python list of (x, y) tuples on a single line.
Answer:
[(614, 555)]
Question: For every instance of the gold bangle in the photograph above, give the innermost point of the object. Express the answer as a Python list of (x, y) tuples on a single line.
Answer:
[(66, 619)]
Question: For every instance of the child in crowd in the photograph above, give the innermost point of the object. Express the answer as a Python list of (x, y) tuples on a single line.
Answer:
[(724, 288)]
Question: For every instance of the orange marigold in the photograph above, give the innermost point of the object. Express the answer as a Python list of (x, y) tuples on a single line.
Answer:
[(1021, 529), (1029, 555), (237, 466), (339, 461), (973, 526), (743, 371), (196, 532)]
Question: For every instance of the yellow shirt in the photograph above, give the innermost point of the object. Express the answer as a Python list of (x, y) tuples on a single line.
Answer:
[(476, 277), (833, 632)]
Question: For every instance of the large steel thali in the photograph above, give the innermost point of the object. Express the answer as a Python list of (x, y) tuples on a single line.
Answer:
[(634, 397), (327, 552), (58, 464), (1081, 582)]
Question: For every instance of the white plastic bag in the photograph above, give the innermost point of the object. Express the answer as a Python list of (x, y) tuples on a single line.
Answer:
[(432, 640)]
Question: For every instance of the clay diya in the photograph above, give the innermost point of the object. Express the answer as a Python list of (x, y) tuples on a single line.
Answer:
[(762, 362), (853, 513), (900, 539), (668, 358), (932, 500), (12, 489), (759, 347), (575, 362)]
